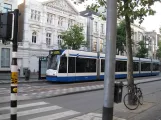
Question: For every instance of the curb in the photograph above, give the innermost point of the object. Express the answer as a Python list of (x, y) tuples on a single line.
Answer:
[(20, 82), (74, 90)]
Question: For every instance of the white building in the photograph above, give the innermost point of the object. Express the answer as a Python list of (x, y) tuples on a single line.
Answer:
[(40, 27), (96, 31), (152, 39)]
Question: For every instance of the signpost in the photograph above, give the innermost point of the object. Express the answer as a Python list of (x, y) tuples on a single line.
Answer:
[(111, 23)]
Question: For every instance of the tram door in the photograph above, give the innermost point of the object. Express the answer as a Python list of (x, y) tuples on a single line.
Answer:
[(72, 69)]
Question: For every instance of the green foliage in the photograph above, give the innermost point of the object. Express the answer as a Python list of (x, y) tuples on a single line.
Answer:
[(121, 37), (158, 54), (73, 38), (137, 9), (142, 50)]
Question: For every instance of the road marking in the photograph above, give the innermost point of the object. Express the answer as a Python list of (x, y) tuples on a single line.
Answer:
[(30, 112), (26, 105), (56, 116)]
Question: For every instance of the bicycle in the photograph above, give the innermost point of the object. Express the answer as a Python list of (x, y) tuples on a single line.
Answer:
[(135, 95)]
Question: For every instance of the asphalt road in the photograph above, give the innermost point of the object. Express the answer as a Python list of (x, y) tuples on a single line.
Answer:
[(82, 103)]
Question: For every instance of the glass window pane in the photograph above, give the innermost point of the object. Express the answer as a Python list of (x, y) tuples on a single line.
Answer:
[(63, 65), (102, 65), (71, 66), (5, 57)]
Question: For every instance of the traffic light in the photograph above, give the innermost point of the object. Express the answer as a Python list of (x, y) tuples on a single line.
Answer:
[(6, 26)]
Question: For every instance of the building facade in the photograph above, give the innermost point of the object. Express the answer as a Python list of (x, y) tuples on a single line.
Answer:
[(152, 39), (40, 27)]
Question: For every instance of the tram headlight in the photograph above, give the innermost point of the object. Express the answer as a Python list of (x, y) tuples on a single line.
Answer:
[(54, 73)]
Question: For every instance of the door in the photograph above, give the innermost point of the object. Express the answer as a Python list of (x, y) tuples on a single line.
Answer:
[(71, 69)]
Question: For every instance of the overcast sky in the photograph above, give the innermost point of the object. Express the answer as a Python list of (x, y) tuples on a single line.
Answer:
[(151, 22)]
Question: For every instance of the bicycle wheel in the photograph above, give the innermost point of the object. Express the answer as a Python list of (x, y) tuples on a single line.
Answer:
[(135, 101), (140, 97)]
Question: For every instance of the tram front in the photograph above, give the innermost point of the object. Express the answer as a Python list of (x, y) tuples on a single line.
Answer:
[(52, 65)]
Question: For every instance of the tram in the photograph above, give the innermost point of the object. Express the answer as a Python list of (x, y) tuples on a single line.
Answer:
[(73, 66)]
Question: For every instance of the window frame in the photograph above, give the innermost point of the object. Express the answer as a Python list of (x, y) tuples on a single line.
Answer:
[(48, 38), (5, 58), (34, 37)]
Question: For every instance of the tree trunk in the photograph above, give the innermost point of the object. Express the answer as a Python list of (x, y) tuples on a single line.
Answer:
[(129, 52), (130, 78)]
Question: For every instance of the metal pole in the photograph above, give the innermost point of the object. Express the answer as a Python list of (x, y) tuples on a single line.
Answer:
[(14, 70), (111, 23)]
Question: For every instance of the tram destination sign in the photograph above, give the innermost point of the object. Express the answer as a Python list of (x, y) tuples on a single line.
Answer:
[(55, 52)]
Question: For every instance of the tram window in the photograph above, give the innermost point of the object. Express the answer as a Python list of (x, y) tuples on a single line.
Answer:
[(155, 67), (63, 65), (71, 66), (136, 66), (85, 65), (121, 66), (102, 65), (145, 66)]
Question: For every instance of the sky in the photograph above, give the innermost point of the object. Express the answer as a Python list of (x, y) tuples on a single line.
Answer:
[(150, 23)]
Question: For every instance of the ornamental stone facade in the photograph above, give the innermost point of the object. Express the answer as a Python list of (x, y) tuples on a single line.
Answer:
[(40, 27)]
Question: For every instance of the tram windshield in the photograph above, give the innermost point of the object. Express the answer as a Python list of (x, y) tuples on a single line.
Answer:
[(53, 61)]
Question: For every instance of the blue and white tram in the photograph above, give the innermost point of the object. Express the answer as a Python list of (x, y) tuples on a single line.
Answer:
[(72, 66)]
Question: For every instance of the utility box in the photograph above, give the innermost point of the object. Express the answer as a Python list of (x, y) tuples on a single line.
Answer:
[(27, 74), (118, 92)]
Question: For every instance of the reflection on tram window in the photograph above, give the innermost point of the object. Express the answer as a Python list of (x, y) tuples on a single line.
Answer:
[(63, 65), (145, 66), (85, 65)]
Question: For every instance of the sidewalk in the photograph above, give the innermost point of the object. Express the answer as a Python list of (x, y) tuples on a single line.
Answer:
[(120, 113)]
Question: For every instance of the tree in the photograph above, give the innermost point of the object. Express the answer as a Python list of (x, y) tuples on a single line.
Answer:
[(129, 10), (73, 38), (142, 50), (121, 37), (158, 54)]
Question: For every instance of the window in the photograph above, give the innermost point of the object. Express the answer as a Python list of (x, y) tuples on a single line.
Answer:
[(32, 14), (94, 45), (60, 21), (48, 38), (69, 23), (145, 66), (101, 45), (155, 67), (50, 18), (121, 66), (102, 65), (71, 66), (38, 18), (35, 15), (95, 25), (7, 7), (102, 28), (136, 66), (85, 65), (63, 65), (5, 58), (59, 39), (34, 37)]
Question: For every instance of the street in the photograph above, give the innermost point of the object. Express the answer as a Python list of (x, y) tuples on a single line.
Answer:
[(69, 106)]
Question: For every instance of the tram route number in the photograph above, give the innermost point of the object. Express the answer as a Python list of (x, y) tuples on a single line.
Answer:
[(14, 77)]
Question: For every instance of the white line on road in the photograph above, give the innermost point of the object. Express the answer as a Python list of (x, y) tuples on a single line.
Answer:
[(30, 112), (26, 105), (57, 115)]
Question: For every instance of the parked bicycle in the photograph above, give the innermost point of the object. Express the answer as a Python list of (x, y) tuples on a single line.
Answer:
[(135, 95)]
